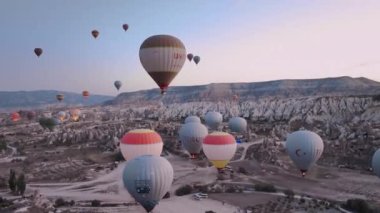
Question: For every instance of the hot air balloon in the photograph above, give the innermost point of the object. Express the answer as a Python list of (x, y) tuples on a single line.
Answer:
[(48, 123), (162, 56), (192, 135), (196, 59), (61, 116), (148, 178), (30, 115), (192, 118), (85, 94), (376, 163), (219, 148), (190, 56), (213, 119), (304, 148), (118, 84), (15, 116), (237, 124), (38, 51), (74, 114), (141, 142), (60, 97), (125, 27), (95, 33)]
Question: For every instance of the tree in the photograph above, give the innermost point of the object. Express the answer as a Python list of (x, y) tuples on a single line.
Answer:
[(12, 180), (21, 185)]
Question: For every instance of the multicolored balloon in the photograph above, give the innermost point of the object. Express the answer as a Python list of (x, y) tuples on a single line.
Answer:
[(219, 148), (141, 142), (163, 57)]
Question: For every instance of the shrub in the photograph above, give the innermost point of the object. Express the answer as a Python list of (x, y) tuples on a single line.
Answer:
[(230, 190), (95, 203), (184, 190), (265, 187), (357, 205), (72, 203), (289, 193), (21, 185), (59, 202), (242, 170), (12, 180), (118, 157)]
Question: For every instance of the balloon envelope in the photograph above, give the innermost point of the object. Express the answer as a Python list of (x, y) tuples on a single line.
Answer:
[(304, 148), (196, 59), (117, 84), (192, 135), (125, 27), (148, 178), (190, 56), (95, 33), (219, 148), (237, 124), (376, 163), (38, 51), (15, 116), (60, 97), (162, 56), (192, 118), (141, 142), (85, 93), (213, 119)]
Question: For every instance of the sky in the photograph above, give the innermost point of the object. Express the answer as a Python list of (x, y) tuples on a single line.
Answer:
[(237, 40)]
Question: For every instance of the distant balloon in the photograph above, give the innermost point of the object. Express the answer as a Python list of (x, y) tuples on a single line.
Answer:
[(38, 51), (60, 97), (196, 59), (192, 135), (125, 27), (74, 114), (148, 178), (376, 163), (213, 119), (141, 142), (190, 56), (48, 123), (304, 148), (30, 115), (219, 148), (85, 94), (15, 116), (95, 33), (61, 116), (118, 85), (192, 118), (237, 124), (162, 56)]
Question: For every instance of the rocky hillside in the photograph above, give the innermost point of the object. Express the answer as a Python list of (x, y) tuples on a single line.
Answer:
[(341, 86), (33, 99)]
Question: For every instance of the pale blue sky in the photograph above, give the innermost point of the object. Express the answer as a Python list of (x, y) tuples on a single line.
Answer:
[(238, 41)]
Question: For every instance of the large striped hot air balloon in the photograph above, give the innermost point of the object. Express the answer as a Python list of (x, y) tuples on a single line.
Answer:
[(192, 135), (162, 56), (148, 178), (304, 148), (141, 142), (219, 148)]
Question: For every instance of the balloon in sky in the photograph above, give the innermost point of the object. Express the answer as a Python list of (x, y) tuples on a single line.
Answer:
[(85, 94), (196, 59), (60, 97), (192, 118), (376, 163), (141, 142), (190, 56), (162, 56), (148, 178), (95, 33), (237, 124), (304, 148), (125, 27), (38, 51), (118, 84), (213, 119), (192, 135), (219, 148)]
